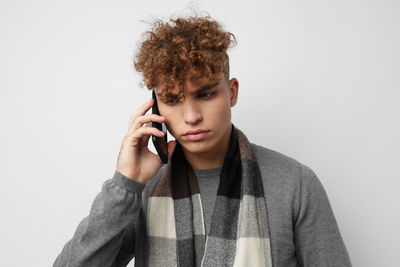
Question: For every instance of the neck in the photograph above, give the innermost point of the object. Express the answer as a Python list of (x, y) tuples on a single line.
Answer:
[(212, 159)]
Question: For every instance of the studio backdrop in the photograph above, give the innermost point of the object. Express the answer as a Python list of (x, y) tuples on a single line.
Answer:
[(318, 81)]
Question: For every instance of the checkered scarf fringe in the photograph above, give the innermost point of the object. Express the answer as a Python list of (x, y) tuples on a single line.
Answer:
[(238, 235)]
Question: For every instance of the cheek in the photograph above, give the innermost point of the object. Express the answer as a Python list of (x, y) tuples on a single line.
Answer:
[(172, 120), (219, 112), (167, 112)]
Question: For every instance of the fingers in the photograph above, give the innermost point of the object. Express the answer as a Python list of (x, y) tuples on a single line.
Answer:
[(140, 125), (146, 119), (145, 139), (141, 111), (139, 118), (144, 132)]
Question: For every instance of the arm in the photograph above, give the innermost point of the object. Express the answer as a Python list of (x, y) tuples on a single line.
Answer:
[(107, 236), (317, 238)]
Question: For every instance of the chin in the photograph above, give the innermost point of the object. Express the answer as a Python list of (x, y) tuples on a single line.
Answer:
[(197, 147)]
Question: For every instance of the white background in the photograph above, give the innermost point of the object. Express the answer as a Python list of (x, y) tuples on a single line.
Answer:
[(319, 82)]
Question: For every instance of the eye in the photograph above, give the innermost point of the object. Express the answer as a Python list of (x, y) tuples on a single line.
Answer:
[(171, 101), (207, 95)]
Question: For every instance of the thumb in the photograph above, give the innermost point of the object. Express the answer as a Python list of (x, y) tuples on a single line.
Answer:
[(171, 148)]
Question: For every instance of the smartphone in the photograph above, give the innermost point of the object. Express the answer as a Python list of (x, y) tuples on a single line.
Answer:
[(160, 143)]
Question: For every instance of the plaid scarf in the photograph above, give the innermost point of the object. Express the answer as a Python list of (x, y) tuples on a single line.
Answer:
[(238, 233)]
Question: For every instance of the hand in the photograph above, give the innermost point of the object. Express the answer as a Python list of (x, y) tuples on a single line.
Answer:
[(135, 160)]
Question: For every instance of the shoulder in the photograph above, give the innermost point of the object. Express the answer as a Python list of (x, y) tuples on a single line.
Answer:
[(290, 185), (280, 167)]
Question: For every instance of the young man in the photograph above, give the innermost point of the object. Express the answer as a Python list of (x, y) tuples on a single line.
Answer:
[(221, 200)]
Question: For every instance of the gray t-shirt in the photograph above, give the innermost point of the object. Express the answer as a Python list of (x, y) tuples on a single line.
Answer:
[(208, 182)]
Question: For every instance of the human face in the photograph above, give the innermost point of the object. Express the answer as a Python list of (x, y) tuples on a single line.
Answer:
[(204, 109)]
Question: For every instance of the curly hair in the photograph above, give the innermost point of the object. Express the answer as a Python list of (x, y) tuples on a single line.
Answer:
[(185, 49)]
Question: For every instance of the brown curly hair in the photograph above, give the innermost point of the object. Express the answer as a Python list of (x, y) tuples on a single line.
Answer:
[(184, 49)]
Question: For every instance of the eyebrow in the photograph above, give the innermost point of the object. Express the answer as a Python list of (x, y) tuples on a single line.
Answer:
[(197, 91)]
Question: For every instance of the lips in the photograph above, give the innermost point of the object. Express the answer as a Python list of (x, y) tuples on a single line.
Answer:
[(196, 135), (195, 131)]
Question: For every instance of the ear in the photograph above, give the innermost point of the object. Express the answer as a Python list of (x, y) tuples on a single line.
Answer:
[(233, 90)]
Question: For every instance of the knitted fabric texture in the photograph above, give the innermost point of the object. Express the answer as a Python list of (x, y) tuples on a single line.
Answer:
[(238, 235)]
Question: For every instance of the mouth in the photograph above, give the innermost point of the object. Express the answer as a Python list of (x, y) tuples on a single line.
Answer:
[(196, 135)]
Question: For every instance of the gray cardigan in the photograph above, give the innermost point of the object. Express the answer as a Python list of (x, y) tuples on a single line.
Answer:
[(303, 229)]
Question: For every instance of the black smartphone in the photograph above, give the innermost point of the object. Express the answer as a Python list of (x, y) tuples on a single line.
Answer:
[(160, 143)]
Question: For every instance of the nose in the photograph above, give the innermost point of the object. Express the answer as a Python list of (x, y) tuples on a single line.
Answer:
[(191, 113)]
